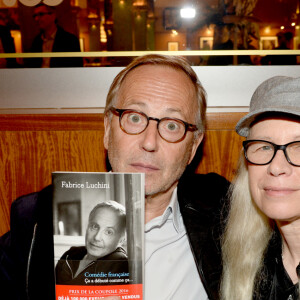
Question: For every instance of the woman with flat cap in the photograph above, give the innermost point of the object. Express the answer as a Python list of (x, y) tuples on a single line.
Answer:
[(261, 244)]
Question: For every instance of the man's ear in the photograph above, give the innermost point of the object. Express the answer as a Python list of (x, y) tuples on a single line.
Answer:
[(195, 146), (107, 124)]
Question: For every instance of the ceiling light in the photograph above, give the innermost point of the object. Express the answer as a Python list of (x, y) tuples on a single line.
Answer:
[(187, 13)]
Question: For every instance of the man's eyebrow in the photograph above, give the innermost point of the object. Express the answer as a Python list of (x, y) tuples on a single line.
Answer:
[(177, 110), (142, 106), (138, 104), (111, 227)]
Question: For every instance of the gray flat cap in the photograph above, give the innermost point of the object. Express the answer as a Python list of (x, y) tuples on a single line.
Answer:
[(277, 94)]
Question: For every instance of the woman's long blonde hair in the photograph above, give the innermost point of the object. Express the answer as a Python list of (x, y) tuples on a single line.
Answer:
[(245, 240)]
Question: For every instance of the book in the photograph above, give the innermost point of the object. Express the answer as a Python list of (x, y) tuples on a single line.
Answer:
[(98, 225)]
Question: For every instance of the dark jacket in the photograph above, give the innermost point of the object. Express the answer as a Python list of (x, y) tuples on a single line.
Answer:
[(115, 262), (63, 42), (274, 283), (201, 200), (26, 252), (8, 45)]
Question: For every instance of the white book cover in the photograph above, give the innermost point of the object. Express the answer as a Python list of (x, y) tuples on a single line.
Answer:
[(98, 221)]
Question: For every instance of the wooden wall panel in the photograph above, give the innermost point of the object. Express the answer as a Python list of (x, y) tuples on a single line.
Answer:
[(221, 150), (33, 146), (28, 158)]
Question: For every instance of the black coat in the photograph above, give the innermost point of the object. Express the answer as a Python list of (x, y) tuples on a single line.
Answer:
[(63, 42), (26, 252), (67, 266), (201, 201)]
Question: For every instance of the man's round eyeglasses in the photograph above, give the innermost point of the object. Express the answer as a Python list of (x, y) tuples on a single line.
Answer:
[(134, 122), (260, 152)]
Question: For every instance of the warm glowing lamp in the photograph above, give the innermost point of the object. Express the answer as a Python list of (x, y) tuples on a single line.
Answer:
[(187, 13)]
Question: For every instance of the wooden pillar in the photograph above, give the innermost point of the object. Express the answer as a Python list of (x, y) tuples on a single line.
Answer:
[(140, 30), (122, 25), (151, 34)]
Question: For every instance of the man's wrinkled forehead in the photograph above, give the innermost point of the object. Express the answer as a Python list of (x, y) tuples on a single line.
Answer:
[(128, 82)]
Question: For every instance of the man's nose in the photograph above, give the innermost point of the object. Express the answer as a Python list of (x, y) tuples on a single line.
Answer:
[(98, 236), (149, 138)]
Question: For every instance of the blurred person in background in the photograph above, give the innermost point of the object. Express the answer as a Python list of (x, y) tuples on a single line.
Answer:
[(7, 44), (52, 38)]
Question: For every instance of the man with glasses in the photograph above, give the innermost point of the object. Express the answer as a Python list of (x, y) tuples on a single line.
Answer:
[(154, 122), (52, 38)]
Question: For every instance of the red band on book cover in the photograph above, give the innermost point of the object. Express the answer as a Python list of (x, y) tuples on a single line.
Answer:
[(79, 292)]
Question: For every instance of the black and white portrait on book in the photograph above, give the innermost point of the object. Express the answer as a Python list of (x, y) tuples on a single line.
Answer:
[(98, 228)]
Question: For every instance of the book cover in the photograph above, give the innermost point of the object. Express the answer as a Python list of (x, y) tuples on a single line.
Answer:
[(98, 221)]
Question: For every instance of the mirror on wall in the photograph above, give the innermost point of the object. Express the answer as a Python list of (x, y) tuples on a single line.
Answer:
[(89, 33)]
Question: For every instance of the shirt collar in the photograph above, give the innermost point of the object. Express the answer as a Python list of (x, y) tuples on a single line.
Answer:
[(174, 207), (51, 38), (172, 212)]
